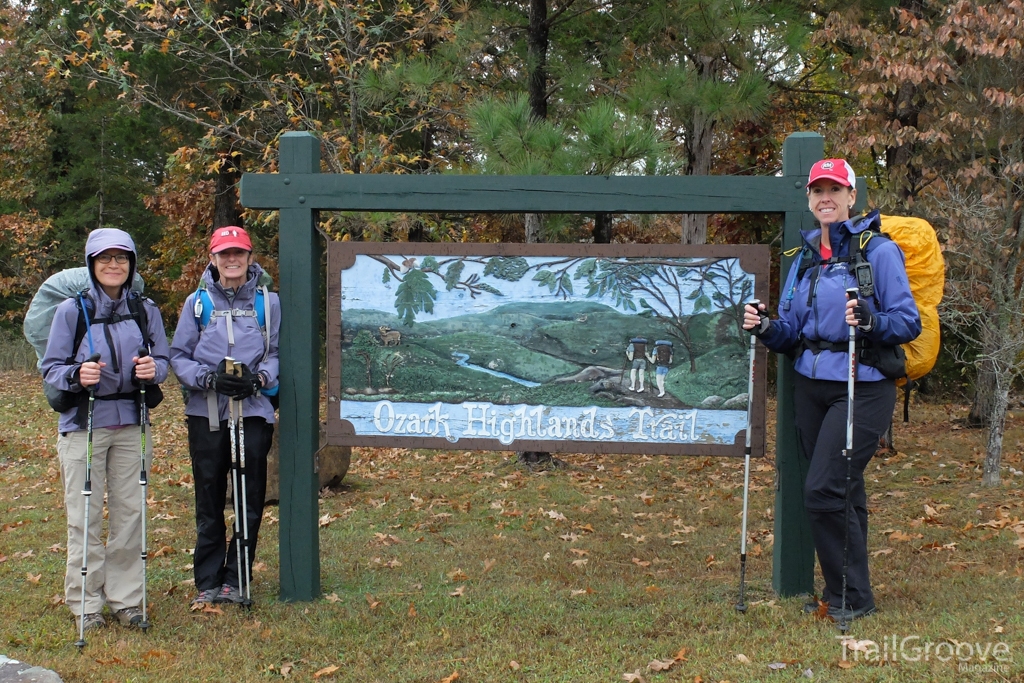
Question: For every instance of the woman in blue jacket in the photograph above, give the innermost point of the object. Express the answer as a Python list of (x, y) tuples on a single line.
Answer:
[(231, 315), (813, 328)]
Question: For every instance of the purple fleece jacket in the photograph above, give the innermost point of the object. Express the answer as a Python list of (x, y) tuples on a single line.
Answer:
[(117, 344)]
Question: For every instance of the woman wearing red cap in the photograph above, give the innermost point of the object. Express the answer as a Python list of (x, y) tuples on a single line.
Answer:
[(231, 315), (813, 326)]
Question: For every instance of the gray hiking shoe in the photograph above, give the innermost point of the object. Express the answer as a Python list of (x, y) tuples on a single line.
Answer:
[(129, 616), (205, 597), (92, 620), (229, 594)]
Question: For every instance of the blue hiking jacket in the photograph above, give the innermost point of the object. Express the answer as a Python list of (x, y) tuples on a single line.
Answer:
[(814, 307)]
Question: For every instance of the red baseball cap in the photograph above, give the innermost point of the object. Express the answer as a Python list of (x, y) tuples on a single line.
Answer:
[(229, 237), (833, 169)]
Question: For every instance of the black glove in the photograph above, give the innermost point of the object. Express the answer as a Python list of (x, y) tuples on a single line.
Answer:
[(865, 319), (763, 326), (224, 383), (250, 383)]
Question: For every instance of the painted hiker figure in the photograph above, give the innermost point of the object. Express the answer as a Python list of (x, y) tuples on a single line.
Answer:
[(661, 357), (104, 344), (225, 353), (814, 327), (636, 353)]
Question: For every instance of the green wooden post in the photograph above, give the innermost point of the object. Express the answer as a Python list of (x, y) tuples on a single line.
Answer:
[(299, 256), (793, 552)]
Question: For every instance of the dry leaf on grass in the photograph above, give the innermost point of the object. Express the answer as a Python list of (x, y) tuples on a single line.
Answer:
[(514, 665), (641, 563), (579, 563), (489, 565), (634, 677), (412, 610), (582, 591), (661, 664), (578, 551), (326, 671), (373, 602), (333, 597), (450, 679), (211, 609), (742, 658), (457, 575), (458, 592)]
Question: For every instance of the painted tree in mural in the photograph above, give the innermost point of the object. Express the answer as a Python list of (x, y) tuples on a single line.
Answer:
[(942, 110)]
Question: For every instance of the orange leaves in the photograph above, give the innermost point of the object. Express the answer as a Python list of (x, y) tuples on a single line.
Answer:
[(326, 671)]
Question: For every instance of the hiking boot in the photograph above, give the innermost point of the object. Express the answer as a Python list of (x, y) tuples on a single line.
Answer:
[(229, 594), (205, 597), (92, 620), (838, 615), (814, 606), (129, 616)]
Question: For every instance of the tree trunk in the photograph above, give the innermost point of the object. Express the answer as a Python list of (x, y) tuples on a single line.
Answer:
[(699, 147), (534, 223), (537, 43), (602, 231), (226, 210), (984, 397), (996, 427)]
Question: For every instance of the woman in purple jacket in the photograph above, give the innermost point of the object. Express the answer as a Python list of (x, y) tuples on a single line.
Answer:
[(232, 314), (115, 570), (813, 327)]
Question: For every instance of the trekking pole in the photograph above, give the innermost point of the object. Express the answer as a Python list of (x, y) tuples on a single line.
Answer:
[(144, 483), (741, 606), (844, 624), (245, 506), (87, 492), (229, 367)]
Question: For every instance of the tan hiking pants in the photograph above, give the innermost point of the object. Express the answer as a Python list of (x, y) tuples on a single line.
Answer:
[(115, 569)]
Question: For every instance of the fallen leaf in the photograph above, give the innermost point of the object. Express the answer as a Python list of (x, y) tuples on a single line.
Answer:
[(372, 601), (24, 555), (33, 578), (640, 563), (681, 655), (457, 575), (583, 591), (775, 666), (514, 665), (579, 563), (652, 589), (489, 564), (259, 567), (449, 679), (634, 677), (572, 538), (211, 609), (326, 671), (883, 551), (58, 599), (412, 610), (164, 550), (286, 669), (899, 536), (458, 592), (742, 658), (661, 664), (333, 597), (845, 664), (579, 551)]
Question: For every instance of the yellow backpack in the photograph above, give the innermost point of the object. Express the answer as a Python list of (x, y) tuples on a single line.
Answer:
[(926, 271)]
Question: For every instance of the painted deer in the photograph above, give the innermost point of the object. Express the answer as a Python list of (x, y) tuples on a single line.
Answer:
[(390, 337)]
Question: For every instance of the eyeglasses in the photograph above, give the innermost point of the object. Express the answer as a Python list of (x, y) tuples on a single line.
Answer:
[(106, 258)]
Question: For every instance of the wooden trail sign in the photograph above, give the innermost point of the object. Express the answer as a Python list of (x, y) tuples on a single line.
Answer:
[(579, 348)]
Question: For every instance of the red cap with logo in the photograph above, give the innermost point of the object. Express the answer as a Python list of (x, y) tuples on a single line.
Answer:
[(229, 237), (833, 169)]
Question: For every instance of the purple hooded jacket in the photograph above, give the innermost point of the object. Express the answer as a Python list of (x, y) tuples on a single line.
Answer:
[(117, 344), (195, 354)]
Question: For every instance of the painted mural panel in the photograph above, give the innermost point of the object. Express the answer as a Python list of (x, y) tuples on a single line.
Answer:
[(580, 348)]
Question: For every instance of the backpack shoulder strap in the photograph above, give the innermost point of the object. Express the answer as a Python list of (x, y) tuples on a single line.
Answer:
[(137, 306), (82, 325)]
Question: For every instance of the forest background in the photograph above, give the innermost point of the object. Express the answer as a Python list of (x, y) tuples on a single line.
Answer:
[(143, 114)]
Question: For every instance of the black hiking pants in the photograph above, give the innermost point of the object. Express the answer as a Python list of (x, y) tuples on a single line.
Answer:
[(820, 408), (215, 558)]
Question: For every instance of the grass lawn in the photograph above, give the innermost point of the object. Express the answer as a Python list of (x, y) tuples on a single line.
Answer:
[(458, 566)]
